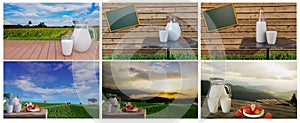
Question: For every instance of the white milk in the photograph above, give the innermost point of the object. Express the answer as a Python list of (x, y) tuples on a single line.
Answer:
[(271, 37), (18, 108), (213, 105), (225, 104), (261, 29), (173, 31), (163, 36), (67, 46), (9, 108), (82, 39)]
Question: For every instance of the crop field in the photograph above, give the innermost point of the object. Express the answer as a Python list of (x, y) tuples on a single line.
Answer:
[(61, 110)]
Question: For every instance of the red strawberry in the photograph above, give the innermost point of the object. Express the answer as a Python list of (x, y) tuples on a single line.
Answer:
[(248, 111), (257, 112), (268, 115), (253, 107), (239, 113), (259, 107), (124, 110), (242, 108), (247, 106), (25, 110), (30, 107), (140, 110), (35, 106), (41, 109)]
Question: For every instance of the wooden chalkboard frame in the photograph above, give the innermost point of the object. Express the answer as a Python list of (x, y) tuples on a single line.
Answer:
[(137, 15), (235, 15)]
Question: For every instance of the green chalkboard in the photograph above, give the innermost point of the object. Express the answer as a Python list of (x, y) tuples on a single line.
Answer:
[(220, 17), (122, 18)]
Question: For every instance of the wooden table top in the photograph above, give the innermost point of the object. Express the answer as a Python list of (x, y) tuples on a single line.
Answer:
[(277, 111), (182, 42), (281, 43), (124, 114), (43, 114), (45, 50)]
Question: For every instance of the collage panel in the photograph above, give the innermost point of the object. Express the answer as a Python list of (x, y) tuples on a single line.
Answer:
[(149, 89), (51, 31), (248, 31), (50, 90), (150, 31), (249, 89)]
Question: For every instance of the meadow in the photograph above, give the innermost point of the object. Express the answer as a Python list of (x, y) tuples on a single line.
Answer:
[(273, 56), (62, 110), (35, 33)]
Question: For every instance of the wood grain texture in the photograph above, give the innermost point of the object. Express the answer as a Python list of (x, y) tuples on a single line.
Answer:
[(153, 17), (281, 16), (45, 50)]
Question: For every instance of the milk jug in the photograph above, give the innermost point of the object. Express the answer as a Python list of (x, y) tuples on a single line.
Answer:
[(261, 28), (13, 104), (173, 28), (218, 89), (81, 36)]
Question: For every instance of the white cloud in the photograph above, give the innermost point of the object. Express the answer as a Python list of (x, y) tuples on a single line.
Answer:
[(25, 84)]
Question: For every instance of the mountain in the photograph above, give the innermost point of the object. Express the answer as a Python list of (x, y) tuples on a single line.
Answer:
[(250, 93)]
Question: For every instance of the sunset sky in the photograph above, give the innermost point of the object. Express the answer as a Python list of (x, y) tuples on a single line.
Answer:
[(280, 76), (152, 79)]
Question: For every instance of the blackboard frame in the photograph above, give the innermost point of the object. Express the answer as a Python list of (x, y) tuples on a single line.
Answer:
[(138, 18), (235, 15)]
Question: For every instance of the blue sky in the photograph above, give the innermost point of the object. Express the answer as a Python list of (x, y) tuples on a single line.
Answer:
[(53, 14), (55, 82)]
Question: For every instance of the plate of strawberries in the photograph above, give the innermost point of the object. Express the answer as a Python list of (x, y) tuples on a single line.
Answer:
[(131, 108), (252, 111)]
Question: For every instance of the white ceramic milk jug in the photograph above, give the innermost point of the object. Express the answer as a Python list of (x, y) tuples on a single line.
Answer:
[(81, 36), (173, 28), (261, 28)]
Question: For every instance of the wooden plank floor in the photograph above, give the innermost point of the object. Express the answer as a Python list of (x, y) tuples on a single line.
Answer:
[(45, 50), (278, 111)]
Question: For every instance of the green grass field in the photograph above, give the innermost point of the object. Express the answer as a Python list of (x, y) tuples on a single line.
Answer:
[(173, 110), (157, 56), (61, 110), (34, 33), (273, 56)]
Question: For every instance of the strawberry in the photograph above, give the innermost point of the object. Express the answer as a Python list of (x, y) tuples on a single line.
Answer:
[(242, 108), (248, 111), (30, 107), (253, 107), (140, 110), (268, 115), (124, 110), (35, 106), (247, 106), (25, 110), (239, 113), (259, 107), (41, 109), (257, 112)]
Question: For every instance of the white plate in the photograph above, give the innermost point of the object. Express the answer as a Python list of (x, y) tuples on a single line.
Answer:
[(33, 110), (254, 115), (133, 110)]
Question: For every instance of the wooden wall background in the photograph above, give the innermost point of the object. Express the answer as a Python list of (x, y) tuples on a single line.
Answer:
[(282, 16), (152, 18)]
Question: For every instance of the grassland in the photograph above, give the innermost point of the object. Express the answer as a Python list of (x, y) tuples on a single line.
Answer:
[(61, 110), (173, 110), (157, 56), (34, 33)]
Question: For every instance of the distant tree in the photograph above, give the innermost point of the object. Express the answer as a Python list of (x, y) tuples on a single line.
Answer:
[(42, 24), (45, 101), (6, 95), (29, 22), (92, 100)]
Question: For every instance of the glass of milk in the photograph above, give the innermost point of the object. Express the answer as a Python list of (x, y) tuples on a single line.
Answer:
[(66, 45), (225, 104)]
